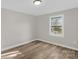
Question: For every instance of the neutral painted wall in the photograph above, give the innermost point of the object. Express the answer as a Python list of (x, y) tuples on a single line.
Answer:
[(16, 28), (70, 27)]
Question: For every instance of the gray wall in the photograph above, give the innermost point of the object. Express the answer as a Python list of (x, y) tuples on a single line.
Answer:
[(16, 28), (70, 24)]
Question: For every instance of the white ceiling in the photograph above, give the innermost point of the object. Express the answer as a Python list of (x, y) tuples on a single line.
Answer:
[(47, 6)]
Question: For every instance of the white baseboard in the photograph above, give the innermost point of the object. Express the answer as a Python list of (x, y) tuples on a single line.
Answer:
[(57, 44), (40, 40), (17, 45)]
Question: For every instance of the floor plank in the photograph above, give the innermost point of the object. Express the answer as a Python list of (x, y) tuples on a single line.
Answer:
[(39, 50)]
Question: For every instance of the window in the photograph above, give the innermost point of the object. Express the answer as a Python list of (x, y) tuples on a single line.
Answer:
[(56, 25)]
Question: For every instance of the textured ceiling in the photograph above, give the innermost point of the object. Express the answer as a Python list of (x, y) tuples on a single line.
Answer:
[(47, 6)]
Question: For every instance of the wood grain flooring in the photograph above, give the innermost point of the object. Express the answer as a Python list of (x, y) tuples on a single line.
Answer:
[(39, 50)]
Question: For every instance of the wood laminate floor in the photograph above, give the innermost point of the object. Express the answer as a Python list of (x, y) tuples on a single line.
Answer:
[(39, 50)]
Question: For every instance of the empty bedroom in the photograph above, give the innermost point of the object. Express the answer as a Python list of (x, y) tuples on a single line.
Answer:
[(39, 29)]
